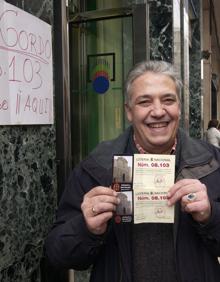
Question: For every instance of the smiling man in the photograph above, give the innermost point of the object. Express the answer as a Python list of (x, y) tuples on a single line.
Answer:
[(153, 107), (85, 235)]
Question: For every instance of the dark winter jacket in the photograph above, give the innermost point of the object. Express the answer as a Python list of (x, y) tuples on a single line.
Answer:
[(71, 245)]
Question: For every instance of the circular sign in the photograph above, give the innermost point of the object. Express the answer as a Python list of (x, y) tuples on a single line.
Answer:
[(100, 84)]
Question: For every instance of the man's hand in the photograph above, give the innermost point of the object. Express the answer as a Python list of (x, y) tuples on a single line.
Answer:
[(193, 198), (98, 206)]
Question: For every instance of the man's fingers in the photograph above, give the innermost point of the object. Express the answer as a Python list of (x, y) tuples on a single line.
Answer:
[(99, 203), (100, 190), (98, 223), (186, 190), (196, 207), (183, 183), (106, 199), (193, 198), (100, 207)]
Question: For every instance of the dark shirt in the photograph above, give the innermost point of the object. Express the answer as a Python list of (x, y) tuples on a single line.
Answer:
[(153, 253)]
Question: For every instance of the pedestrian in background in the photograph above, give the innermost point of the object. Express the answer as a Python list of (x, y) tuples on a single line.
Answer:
[(213, 133)]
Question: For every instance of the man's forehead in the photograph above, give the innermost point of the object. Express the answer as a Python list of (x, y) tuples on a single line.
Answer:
[(148, 75), (162, 95)]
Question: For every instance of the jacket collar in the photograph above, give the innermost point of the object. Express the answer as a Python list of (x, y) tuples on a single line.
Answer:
[(191, 151), (194, 158), (105, 151)]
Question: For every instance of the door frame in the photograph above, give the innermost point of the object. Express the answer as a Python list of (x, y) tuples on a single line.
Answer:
[(77, 22), (140, 24)]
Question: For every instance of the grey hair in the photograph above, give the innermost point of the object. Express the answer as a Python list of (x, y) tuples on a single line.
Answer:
[(159, 67)]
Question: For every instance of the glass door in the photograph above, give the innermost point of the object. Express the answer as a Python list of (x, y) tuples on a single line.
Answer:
[(101, 53)]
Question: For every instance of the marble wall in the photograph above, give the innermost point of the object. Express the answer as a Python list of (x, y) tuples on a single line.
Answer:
[(195, 103), (161, 30), (27, 186)]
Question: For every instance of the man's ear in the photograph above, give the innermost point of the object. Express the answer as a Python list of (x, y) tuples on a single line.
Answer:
[(128, 112)]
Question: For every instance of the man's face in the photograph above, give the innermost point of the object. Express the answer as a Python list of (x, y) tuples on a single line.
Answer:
[(154, 111)]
